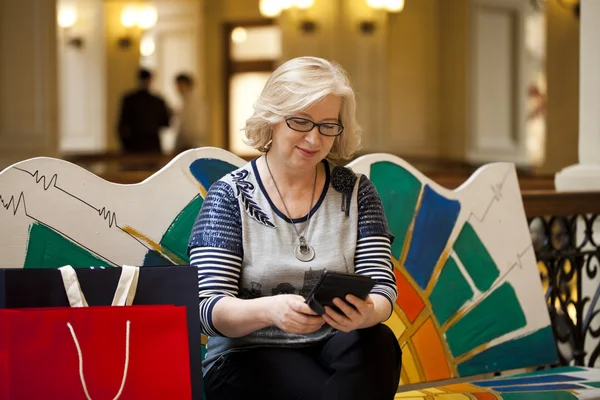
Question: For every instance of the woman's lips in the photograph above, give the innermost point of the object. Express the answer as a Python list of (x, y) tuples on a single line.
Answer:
[(307, 153)]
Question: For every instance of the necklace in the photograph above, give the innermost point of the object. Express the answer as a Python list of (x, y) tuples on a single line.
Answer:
[(303, 251)]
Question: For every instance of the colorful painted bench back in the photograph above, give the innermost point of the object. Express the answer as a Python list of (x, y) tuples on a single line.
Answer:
[(470, 299)]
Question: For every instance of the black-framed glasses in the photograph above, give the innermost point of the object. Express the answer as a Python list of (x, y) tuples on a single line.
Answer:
[(306, 125)]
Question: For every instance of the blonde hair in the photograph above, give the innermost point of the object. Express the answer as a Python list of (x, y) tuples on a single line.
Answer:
[(293, 87)]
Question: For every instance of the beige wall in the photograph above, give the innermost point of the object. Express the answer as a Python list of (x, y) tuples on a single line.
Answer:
[(563, 89), (413, 73), (453, 67), (217, 14), (409, 74), (28, 75), (121, 67)]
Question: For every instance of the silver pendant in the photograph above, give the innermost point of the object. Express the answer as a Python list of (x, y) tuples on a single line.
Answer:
[(303, 251)]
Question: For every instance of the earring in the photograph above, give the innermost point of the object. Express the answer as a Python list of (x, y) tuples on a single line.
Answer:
[(267, 145)]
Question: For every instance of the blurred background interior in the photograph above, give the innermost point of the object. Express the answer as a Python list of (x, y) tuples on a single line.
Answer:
[(446, 84)]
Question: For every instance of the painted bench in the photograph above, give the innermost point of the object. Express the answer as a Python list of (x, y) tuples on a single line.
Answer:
[(470, 300)]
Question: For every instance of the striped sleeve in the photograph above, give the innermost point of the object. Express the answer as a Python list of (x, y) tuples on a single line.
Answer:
[(373, 258), (373, 251), (218, 276), (215, 248)]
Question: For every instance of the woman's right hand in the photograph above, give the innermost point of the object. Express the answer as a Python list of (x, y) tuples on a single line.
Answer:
[(292, 315)]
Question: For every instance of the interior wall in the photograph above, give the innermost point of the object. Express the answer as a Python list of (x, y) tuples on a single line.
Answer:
[(414, 84), (28, 89), (217, 14), (453, 71), (395, 69), (122, 65), (81, 79), (562, 65)]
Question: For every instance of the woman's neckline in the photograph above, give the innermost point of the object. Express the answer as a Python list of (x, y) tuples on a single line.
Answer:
[(277, 211)]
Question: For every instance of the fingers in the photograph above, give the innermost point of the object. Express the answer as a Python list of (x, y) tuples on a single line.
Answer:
[(350, 317), (301, 307), (304, 325), (297, 317)]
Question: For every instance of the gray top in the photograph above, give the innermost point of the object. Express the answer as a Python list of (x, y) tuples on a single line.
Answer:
[(249, 253)]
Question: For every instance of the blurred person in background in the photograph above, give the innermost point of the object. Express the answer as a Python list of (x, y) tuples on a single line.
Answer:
[(141, 118), (188, 119)]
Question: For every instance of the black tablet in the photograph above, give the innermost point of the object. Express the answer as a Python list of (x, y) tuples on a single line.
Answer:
[(338, 284)]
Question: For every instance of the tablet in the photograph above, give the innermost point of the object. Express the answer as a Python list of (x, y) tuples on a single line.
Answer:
[(338, 284)]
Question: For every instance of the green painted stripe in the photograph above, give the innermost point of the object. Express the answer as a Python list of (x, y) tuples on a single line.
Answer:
[(450, 292), (592, 384), (548, 395), (399, 191), (475, 258), (177, 236), (49, 249), (537, 348), (496, 315)]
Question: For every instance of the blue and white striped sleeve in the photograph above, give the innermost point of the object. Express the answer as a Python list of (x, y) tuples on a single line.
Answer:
[(215, 248), (373, 251)]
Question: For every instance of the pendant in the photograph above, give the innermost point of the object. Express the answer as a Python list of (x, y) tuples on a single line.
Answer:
[(303, 251)]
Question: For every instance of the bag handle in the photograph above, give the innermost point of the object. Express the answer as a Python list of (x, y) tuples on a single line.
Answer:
[(127, 286), (71, 283), (124, 294), (80, 356)]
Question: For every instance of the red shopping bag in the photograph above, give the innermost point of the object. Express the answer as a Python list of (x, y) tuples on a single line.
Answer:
[(131, 352)]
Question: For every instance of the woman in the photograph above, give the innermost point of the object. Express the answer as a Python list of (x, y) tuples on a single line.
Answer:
[(267, 231)]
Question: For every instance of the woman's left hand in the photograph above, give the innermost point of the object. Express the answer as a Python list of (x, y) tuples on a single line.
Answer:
[(353, 317)]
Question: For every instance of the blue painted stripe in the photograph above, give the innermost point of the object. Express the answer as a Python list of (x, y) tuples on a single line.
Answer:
[(433, 225), (544, 388), (209, 170)]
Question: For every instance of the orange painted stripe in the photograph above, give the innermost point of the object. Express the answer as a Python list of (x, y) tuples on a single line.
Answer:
[(485, 396), (431, 352), (408, 299), (463, 388)]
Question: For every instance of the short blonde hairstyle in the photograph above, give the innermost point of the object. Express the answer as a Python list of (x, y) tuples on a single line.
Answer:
[(293, 87)]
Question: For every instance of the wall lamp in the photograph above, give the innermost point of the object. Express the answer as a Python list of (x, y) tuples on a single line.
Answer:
[(274, 8), (142, 17), (391, 6), (573, 6), (66, 19)]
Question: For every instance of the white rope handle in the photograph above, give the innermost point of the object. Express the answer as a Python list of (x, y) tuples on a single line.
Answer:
[(80, 355)]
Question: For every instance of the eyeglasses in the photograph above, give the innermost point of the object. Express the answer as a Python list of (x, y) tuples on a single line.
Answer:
[(306, 125)]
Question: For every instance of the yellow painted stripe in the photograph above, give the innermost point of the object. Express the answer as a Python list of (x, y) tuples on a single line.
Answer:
[(153, 245), (409, 365)]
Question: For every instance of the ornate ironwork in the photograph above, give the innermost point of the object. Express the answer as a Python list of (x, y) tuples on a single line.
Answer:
[(568, 255)]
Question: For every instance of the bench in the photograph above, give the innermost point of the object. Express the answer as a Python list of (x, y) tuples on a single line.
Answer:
[(470, 299)]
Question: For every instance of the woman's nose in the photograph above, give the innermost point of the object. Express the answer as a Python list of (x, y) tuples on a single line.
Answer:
[(312, 136)]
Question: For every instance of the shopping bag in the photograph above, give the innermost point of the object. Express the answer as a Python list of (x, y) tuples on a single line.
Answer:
[(176, 285), (119, 352)]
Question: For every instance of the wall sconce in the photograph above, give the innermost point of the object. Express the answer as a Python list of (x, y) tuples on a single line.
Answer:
[(391, 6), (66, 19), (273, 8), (133, 16), (572, 5)]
